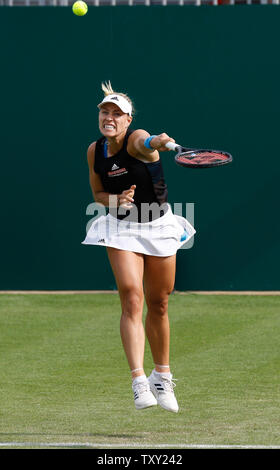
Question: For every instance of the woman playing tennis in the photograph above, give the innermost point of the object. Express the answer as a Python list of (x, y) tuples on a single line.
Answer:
[(141, 235)]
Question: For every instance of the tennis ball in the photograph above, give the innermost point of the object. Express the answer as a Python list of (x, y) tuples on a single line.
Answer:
[(80, 8)]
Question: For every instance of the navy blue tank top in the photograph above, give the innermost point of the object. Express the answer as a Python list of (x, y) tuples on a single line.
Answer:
[(120, 171)]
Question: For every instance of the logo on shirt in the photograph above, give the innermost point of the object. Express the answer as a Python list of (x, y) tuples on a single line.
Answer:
[(116, 171)]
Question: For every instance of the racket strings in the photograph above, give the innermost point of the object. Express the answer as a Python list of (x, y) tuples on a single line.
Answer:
[(202, 157)]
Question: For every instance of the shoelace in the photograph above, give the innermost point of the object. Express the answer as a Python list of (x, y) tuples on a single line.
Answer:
[(142, 387), (168, 383)]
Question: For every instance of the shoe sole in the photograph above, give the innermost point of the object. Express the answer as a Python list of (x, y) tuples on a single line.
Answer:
[(145, 406)]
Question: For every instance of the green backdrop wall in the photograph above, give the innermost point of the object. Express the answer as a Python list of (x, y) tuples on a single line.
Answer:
[(208, 76)]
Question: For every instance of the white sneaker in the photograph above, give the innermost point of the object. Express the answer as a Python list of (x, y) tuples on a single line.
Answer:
[(162, 387), (143, 397)]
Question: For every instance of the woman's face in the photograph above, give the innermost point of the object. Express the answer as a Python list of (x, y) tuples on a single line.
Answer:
[(112, 121)]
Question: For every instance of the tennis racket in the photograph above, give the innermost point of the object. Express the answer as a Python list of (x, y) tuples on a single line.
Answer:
[(199, 158)]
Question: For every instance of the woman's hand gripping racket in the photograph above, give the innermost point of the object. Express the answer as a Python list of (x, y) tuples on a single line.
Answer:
[(199, 158)]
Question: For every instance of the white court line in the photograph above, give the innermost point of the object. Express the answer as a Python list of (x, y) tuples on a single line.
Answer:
[(97, 445)]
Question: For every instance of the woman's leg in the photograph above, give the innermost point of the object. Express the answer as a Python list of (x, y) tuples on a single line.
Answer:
[(159, 278), (128, 270)]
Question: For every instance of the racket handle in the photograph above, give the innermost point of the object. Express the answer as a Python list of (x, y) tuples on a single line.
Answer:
[(172, 146)]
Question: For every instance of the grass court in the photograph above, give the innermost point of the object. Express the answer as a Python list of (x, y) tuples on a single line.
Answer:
[(65, 381)]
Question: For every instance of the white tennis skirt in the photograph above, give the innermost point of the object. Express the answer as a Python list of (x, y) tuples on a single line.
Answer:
[(161, 237)]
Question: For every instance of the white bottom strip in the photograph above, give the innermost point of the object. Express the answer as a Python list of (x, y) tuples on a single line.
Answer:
[(98, 445)]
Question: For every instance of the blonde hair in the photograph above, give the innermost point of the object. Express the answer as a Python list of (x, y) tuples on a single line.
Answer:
[(108, 90)]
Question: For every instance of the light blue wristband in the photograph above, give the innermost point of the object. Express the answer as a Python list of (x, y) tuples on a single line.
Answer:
[(147, 142)]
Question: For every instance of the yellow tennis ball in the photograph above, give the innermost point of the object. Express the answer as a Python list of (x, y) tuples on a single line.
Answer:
[(80, 8)]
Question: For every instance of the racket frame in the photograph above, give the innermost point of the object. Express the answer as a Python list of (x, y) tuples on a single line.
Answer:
[(183, 150)]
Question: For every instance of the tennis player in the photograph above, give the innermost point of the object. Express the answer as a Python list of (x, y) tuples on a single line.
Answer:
[(141, 235)]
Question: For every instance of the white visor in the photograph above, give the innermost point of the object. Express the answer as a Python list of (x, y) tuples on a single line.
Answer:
[(119, 101)]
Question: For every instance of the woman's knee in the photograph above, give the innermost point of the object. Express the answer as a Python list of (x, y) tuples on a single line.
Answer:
[(132, 301), (158, 305)]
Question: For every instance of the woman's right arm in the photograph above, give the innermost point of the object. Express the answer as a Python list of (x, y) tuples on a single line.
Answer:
[(99, 195), (95, 182)]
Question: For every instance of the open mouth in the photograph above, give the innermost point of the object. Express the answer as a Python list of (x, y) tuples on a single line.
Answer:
[(109, 127)]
